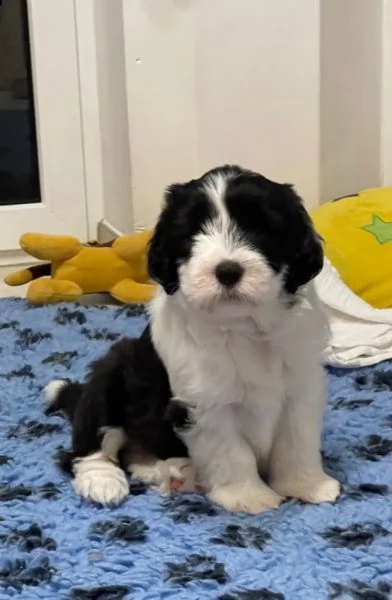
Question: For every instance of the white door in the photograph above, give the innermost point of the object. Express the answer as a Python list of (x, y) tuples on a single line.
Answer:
[(42, 183)]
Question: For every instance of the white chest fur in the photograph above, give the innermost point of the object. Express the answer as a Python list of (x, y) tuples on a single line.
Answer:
[(255, 386), (258, 373), (220, 371)]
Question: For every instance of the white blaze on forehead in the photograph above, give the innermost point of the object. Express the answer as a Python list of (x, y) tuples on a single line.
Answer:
[(215, 187), (220, 230)]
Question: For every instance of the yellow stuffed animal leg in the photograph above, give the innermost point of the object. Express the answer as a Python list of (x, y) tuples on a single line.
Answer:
[(50, 247), (130, 292), (49, 291), (19, 277), (132, 246)]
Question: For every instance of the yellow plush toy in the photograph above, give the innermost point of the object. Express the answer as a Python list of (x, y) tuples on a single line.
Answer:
[(358, 241), (119, 268)]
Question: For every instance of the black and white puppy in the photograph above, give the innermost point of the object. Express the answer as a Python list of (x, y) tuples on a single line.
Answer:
[(239, 333)]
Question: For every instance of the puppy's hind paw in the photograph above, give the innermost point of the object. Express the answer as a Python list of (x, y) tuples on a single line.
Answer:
[(100, 481)]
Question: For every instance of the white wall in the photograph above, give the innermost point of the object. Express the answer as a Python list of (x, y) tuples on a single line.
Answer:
[(351, 78), (162, 103), (257, 71), (222, 81), (292, 88)]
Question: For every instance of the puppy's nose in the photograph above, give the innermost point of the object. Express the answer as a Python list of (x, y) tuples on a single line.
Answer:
[(229, 272)]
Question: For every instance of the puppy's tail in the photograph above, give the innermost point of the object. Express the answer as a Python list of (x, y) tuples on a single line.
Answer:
[(63, 396)]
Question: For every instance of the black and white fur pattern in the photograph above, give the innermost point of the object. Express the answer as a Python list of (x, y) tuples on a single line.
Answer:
[(119, 423), (238, 331)]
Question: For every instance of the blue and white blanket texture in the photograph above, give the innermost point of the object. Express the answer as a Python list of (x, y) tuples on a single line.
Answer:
[(53, 545)]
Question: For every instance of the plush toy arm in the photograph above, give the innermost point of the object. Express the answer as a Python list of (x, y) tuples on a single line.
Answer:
[(131, 246), (50, 247)]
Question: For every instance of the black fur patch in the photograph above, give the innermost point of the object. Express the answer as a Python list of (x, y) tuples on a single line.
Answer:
[(183, 508), (196, 568), (124, 529), (110, 592), (359, 590), (129, 388), (100, 334), (17, 574), (28, 337), (28, 539), (67, 400), (261, 594), (375, 448), (354, 536), (64, 459), (25, 372), (179, 415), (5, 460), (64, 359), (235, 535), (65, 316), (17, 492), (33, 430)]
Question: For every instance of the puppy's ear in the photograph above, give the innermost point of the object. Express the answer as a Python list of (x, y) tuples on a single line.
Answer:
[(306, 264), (162, 260), (308, 257)]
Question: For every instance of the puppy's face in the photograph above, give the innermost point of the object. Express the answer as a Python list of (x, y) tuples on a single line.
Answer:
[(233, 237)]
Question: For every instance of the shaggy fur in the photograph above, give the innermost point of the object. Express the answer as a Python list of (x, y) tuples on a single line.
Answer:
[(126, 391), (236, 339)]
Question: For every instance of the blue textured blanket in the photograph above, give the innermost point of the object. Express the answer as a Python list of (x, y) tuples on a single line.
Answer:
[(53, 545)]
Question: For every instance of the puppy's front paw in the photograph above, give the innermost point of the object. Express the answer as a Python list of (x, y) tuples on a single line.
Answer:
[(252, 499), (326, 490), (100, 481), (313, 490)]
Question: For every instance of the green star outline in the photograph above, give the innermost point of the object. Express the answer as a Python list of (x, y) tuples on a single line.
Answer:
[(380, 229)]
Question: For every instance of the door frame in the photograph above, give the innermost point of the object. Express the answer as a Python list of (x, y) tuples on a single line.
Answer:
[(386, 112), (105, 124), (58, 116)]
